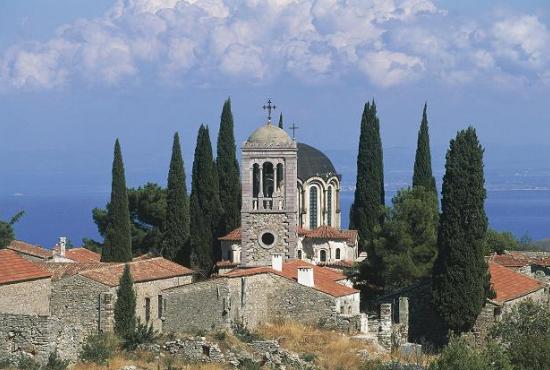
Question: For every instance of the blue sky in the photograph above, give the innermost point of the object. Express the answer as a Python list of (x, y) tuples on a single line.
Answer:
[(76, 74)]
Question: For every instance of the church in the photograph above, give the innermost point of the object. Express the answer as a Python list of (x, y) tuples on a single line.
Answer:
[(290, 206)]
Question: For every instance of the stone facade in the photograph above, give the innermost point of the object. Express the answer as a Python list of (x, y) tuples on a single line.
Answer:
[(274, 212), (27, 334), (254, 299), (27, 297)]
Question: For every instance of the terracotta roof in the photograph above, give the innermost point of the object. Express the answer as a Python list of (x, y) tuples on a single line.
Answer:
[(352, 236), (511, 260), (509, 284), (14, 268), (326, 232), (82, 255), (302, 231), (234, 235), (64, 269), (142, 270), (325, 279), (29, 249)]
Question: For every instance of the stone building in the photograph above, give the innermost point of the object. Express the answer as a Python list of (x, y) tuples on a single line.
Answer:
[(290, 205), (534, 264), (293, 291), (511, 287), (60, 253), (30, 251), (26, 287)]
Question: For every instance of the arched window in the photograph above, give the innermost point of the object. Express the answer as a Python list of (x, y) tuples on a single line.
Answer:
[(323, 255), (337, 253), (255, 180), (268, 179), (313, 205), (299, 254), (280, 176), (329, 206)]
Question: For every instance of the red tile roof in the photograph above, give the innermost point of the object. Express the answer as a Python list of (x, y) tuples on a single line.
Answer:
[(226, 263), (302, 232), (82, 255), (339, 263), (29, 249), (326, 232), (511, 260), (14, 268), (64, 269), (325, 280), (142, 270), (509, 284), (234, 235)]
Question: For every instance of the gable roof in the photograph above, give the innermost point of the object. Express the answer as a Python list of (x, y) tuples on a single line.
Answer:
[(30, 249), (509, 284), (15, 269), (324, 279), (326, 232), (234, 235), (82, 255), (59, 270), (142, 270)]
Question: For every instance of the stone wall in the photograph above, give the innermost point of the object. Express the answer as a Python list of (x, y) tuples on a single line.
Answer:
[(254, 225), (197, 307), (28, 297), (28, 334)]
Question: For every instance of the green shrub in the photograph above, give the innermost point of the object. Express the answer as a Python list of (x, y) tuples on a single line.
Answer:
[(308, 357), (220, 335), (56, 363), (27, 363), (99, 348), (142, 334), (244, 334), (248, 364), (5, 363)]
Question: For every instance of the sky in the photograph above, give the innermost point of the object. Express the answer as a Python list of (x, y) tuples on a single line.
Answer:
[(77, 74)]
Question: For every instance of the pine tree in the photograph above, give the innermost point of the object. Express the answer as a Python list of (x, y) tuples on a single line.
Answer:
[(460, 277), (228, 173), (176, 231), (204, 205), (423, 161), (125, 305), (281, 121), (118, 239), (366, 214)]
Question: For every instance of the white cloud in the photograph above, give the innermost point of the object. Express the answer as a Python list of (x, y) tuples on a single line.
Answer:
[(389, 42)]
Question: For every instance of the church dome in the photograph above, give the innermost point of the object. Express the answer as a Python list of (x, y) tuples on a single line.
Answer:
[(269, 134), (312, 162)]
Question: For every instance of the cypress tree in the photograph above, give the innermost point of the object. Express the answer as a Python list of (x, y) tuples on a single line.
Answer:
[(281, 121), (118, 239), (423, 161), (228, 173), (125, 305), (460, 277), (366, 214), (176, 230), (204, 205)]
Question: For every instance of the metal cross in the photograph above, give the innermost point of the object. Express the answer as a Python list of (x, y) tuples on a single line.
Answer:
[(294, 128), (269, 108)]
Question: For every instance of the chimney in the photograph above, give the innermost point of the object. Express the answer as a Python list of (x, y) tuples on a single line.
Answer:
[(277, 262), (305, 276), (62, 244)]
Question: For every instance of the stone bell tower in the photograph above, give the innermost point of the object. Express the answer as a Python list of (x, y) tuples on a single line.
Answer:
[(269, 196)]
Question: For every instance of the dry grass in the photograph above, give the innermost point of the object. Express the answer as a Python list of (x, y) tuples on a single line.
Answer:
[(332, 350), (145, 364)]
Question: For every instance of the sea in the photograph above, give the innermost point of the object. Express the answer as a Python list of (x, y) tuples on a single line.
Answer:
[(522, 212)]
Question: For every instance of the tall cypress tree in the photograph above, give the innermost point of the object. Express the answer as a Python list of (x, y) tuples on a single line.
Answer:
[(228, 173), (423, 160), (176, 230), (118, 239), (204, 205), (366, 214), (281, 121), (125, 305), (460, 277)]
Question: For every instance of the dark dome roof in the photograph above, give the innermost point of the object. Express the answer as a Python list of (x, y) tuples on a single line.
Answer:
[(312, 162)]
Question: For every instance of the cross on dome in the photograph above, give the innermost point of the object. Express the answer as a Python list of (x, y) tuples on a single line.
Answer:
[(269, 108)]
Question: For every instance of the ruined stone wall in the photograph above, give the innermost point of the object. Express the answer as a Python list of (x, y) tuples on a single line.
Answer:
[(28, 297), (197, 307), (28, 334), (152, 290)]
